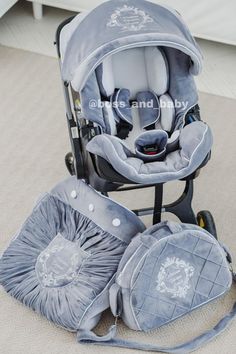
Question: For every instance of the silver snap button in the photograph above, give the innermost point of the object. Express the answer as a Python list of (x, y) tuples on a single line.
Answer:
[(116, 222), (73, 194), (91, 207)]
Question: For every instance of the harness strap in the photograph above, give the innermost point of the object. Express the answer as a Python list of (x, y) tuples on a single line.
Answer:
[(120, 104), (123, 129)]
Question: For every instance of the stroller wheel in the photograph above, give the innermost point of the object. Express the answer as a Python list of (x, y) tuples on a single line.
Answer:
[(69, 161), (206, 221)]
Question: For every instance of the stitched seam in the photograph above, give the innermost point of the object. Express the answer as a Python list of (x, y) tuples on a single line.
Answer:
[(100, 294), (151, 43), (159, 173), (164, 240)]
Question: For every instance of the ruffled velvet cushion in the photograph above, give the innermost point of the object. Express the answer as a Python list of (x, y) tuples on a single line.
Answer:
[(61, 260)]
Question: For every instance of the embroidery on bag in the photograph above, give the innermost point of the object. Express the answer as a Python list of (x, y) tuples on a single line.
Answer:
[(129, 18), (174, 277)]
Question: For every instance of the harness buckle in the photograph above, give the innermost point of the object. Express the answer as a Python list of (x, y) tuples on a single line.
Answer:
[(150, 150)]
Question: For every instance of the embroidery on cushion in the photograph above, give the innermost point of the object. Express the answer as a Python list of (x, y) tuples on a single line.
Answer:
[(129, 18), (59, 264), (174, 277)]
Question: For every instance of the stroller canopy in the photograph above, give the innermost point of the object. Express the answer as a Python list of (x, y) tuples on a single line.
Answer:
[(118, 25), (134, 51)]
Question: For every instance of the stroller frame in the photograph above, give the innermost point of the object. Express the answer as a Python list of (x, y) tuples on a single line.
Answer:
[(100, 174)]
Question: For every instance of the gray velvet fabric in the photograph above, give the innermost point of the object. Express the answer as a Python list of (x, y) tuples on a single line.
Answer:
[(99, 74), (106, 29), (152, 137), (88, 337), (182, 86), (182, 89), (121, 103), (166, 272), (181, 268), (119, 25), (92, 40), (63, 260), (195, 142), (90, 93), (149, 108)]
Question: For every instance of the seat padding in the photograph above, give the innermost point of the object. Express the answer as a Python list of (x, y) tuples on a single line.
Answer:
[(157, 70), (148, 114), (167, 112), (157, 139), (121, 104), (138, 69), (195, 142)]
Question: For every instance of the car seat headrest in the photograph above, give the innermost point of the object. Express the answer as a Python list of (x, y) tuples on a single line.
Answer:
[(138, 69), (157, 70), (167, 112)]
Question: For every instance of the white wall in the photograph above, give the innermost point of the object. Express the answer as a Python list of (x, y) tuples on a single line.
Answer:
[(209, 19), (5, 5)]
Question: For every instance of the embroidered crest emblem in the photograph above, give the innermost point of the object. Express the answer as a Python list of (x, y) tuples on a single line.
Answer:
[(129, 18), (59, 264), (174, 277)]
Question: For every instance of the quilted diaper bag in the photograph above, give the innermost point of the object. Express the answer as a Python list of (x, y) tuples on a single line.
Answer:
[(166, 272)]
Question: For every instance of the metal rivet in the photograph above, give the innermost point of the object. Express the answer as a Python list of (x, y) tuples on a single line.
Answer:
[(116, 222), (73, 194), (91, 207)]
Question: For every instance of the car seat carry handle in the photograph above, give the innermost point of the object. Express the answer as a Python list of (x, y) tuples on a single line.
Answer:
[(89, 337)]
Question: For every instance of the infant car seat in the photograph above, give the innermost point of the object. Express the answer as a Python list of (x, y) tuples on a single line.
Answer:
[(147, 139), (130, 67), (132, 109)]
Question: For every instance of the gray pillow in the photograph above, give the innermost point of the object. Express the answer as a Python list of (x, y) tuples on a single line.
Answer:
[(63, 260)]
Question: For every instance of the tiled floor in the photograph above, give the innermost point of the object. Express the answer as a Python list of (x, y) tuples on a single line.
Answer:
[(19, 29)]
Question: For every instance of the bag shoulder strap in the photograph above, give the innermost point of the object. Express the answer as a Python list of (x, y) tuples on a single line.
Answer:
[(89, 337)]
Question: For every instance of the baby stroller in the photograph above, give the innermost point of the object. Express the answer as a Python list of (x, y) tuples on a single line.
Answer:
[(132, 105)]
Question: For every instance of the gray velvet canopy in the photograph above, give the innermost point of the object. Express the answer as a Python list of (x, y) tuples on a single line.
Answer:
[(117, 25)]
